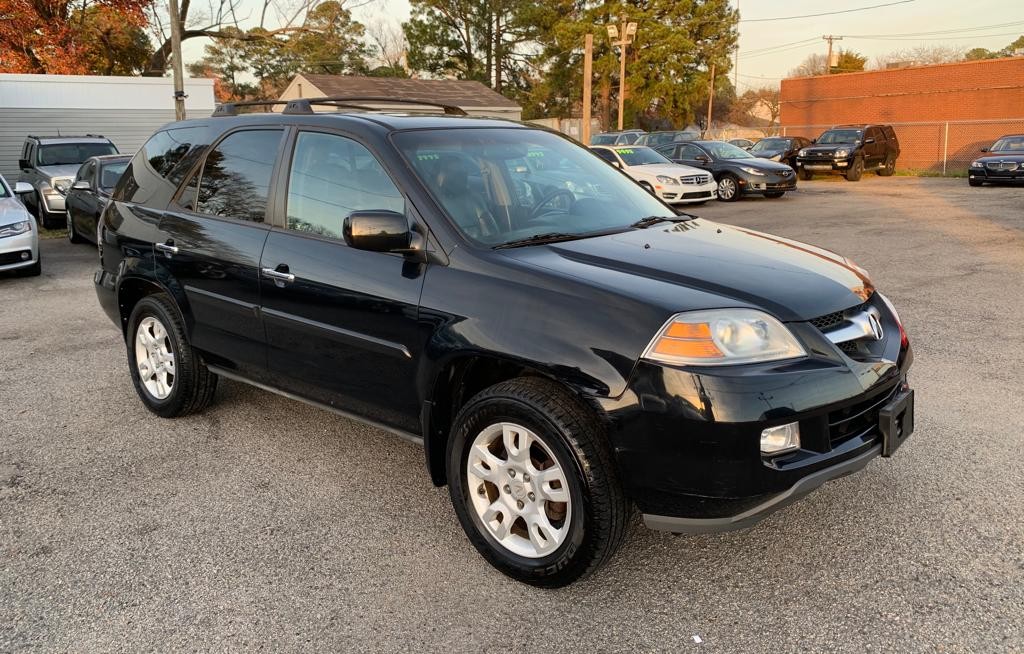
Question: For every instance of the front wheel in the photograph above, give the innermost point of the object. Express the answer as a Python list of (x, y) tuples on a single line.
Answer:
[(531, 477), (169, 376), (728, 189), (72, 234), (975, 182), (856, 170)]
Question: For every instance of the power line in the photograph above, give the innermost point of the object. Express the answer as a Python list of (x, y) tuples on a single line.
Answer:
[(938, 32), (827, 13)]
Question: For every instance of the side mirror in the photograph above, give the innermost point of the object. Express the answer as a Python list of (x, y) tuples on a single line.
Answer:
[(984, 149), (617, 165), (22, 188), (24, 164), (868, 140), (81, 185), (814, 140), (377, 231), (702, 158)]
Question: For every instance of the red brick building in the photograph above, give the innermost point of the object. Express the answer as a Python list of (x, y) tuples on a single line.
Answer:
[(979, 100)]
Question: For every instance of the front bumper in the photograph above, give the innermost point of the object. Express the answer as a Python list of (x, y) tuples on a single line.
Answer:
[(767, 184), (687, 440), (19, 251), (686, 193), (823, 164), (985, 175), (53, 202)]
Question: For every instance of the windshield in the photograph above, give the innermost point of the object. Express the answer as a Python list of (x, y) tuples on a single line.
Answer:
[(722, 150), (110, 173), (1013, 144), (603, 139), (60, 154), (506, 184), (770, 145), (640, 156), (840, 136)]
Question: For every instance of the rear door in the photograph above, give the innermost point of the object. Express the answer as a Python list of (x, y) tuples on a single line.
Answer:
[(341, 323), (210, 241), (874, 152)]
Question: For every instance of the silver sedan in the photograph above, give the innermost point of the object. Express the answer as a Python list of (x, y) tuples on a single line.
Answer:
[(19, 235)]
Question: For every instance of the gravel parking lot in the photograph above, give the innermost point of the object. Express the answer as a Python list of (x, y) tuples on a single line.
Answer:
[(264, 524)]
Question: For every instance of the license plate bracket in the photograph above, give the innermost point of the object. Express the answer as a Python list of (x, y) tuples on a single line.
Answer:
[(896, 421)]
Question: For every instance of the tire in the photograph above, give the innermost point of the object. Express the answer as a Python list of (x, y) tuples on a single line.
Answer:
[(806, 175), (888, 168), (42, 216), (583, 532), (856, 170), (775, 194), (190, 384), (72, 234), (731, 191), (975, 182)]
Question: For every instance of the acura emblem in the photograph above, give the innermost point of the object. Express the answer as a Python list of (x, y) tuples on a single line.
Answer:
[(876, 326)]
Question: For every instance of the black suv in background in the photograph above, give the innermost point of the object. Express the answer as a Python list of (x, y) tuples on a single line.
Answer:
[(561, 343), (851, 150)]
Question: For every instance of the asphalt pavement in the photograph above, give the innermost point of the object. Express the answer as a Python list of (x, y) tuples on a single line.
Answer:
[(267, 525)]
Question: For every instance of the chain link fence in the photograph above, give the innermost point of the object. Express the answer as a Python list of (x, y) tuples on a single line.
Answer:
[(933, 148)]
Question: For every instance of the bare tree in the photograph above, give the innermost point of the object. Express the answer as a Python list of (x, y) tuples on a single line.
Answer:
[(922, 55), (814, 64), (389, 40)]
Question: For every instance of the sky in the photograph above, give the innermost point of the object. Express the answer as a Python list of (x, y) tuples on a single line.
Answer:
[(770, 48)]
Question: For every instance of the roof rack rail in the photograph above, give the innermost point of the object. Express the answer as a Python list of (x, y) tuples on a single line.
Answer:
[(305, 105)]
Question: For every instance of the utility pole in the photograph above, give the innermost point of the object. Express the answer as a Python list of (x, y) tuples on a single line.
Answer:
[(628, 32), (828, 62), (711, 99), (588, 74), (179, 77), (736, 60)]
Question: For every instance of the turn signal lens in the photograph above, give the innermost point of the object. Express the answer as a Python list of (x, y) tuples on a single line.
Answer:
[(721, 337), (784, 438)]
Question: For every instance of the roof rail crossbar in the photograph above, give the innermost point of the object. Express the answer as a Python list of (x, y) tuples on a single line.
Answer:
[(304, 105)]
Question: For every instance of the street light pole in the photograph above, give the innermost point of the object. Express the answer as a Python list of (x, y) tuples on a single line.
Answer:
[(628, 32)]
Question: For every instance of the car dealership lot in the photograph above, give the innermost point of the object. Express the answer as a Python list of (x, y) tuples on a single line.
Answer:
[(266, 523)]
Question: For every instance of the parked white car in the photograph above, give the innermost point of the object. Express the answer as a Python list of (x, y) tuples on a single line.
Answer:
[(674, 183), (19, 235)]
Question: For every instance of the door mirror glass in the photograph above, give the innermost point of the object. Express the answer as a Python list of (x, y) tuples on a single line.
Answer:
[(22, 188), (80, 185), (377, 231)]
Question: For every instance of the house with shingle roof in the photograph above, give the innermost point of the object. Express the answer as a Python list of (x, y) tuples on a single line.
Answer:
[(475, 98)]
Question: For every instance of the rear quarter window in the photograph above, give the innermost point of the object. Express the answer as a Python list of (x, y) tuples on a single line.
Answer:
[(159, 167)]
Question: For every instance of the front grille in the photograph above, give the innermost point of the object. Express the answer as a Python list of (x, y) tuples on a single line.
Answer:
[(845, 423), (832, 320), (1002, 166), (695, 179), (8, 258), (695, 194)]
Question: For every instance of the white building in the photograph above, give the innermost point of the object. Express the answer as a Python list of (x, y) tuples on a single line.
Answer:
[(127, 110)]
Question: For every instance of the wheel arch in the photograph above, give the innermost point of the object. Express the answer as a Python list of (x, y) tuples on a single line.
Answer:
[(132, 288)]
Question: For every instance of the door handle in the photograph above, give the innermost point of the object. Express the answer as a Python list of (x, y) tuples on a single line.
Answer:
[(277, 275), (168, 248)]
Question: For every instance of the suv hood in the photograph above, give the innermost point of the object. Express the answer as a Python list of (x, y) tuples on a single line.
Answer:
[(699, 264), (12, 211), (63, 170)]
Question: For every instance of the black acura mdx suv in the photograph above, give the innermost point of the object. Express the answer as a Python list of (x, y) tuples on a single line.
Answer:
[(562, 344)]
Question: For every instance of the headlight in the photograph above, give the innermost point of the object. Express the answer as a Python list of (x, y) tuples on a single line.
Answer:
[(840, 153), (62, 186), (802, 153), (976, 164), (15, 228), (665, 179), (719, 337), (751, 171)]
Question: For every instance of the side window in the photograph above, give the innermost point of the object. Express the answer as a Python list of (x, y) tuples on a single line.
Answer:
[(162, 163), (690, 152), (235, 179), (332, 176), (606, 155)]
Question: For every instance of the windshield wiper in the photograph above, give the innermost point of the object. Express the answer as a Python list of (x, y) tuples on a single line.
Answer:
[(539, 239), (654, 220)]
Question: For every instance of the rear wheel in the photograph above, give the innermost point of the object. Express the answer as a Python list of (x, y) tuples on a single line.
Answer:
[(532, 482), (169, 376), (888, 168), (728, 188), (856, 170)]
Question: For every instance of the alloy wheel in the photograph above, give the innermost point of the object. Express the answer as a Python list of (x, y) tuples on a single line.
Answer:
[(71, 227), (154, 357), (726, 188), (518, 490)]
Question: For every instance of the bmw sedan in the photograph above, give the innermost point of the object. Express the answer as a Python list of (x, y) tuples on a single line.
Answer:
[(1002, 163)]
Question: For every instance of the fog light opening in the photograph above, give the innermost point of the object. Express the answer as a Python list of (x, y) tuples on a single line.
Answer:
[(25, 256), (777, 440)]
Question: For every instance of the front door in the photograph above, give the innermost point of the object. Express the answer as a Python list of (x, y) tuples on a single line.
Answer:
[(341, 323), (82, 204), (211, 238)]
